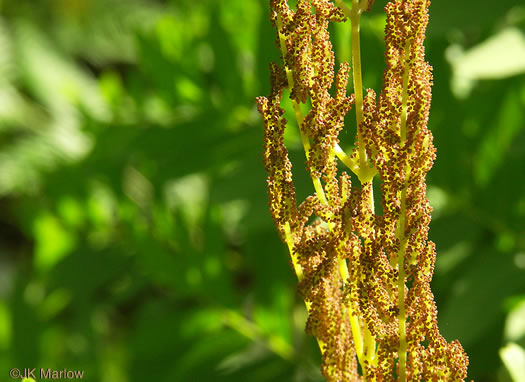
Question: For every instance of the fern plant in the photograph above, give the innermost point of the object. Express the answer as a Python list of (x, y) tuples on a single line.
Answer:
[(363, 273)]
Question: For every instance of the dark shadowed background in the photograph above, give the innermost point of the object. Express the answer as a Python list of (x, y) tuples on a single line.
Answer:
[(135, 239)]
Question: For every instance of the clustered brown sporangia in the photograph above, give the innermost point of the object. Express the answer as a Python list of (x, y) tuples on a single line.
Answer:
[(364, 274)]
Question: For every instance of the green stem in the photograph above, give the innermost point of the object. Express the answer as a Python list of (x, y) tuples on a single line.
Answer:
[(289, 241), (298, 270), (355, 17), (365, 343), (298, 115), (370, 342), (306, 146), (401, 289), (350, 162), (404, 96), (343, 268), (365, 175), (401, 224)]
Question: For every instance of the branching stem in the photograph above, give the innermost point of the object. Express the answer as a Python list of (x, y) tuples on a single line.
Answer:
[(357, 262)]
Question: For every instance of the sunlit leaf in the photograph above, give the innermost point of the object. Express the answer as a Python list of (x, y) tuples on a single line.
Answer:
[(53, 241), (515, 323), (513, 357), (500, 56)]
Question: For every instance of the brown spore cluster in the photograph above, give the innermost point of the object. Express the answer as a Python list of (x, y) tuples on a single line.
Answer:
[(364, 276)]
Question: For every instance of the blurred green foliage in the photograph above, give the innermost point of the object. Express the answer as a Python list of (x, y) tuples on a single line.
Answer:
[(135, 239)]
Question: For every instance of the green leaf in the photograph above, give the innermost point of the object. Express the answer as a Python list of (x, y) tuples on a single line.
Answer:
[(513, 357), (500, 56), (53, 241)]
